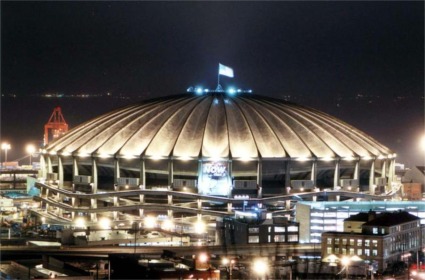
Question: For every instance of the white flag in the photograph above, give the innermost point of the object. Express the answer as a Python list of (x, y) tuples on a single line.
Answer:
[(225, 71)]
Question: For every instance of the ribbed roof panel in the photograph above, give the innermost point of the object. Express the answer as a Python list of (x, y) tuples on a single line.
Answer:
[(217, 125)]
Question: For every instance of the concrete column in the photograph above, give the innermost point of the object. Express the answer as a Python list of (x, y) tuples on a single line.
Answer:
[(142, 198), (49, 165), (338, 198), (93, 217), (72, 215), (391, 172), (230, 178), (60, 172), (74, 167), (259, 173), (314, 172), (170, 214), (229, 207), (43, 166), (336, 174), (287, 205), (170, 173), (116, 170), (356, 174), (116, 201), (372, 177), (94, 175), (115, 213), (142, 172), (199, 204), (384, 168), (170, 199), (288, 173), (141, 212)]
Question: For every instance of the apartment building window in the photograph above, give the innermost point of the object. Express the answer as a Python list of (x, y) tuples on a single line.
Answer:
[(359, 242), (292, 238), (344, 251), (367, 252), (374, 243), (336, 250), (279, 229), (344, 241), (329, 240), (329, 250), (292, 229), (279, 238), (374, 253), (351, 251), (254, 230), (351, 242), (375, 230), (367, 243), (359, 252), (253, 239), (336, 241)]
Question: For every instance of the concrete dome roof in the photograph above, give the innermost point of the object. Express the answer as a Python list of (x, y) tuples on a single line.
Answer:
[(217, 125)]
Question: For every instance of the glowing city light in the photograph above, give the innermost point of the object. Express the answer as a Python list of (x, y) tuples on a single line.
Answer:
[(150, 222), (105, 223)]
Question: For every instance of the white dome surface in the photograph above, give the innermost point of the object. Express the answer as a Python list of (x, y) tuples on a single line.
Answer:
[(217, 125)]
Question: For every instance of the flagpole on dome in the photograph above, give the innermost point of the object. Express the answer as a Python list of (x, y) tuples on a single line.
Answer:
[(219, 88), (225, 71)]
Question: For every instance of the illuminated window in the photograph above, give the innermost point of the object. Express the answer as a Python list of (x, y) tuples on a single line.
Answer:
[(292, 229), (279, 229), (279, 238), (352, 242), (367, 252), (254, 230), (359, 242), (375, 230), (367, 243), (329, 240), (292, 238), (329, 250), (374, 253), (351, 251), (359, 252), (253, 239), (374, 243)]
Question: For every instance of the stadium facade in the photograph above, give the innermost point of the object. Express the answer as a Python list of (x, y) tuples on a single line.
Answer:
[(208, 154)]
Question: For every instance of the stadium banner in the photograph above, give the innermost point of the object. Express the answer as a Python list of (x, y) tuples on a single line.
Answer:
[(214, 179)]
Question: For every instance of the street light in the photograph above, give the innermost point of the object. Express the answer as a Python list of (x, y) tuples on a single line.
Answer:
[(30, 150), (229, 265), (345, 261), (422, 143), (260, 267), (5, 147)]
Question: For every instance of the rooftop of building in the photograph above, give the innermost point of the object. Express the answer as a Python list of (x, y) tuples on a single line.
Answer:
[(392, 219)]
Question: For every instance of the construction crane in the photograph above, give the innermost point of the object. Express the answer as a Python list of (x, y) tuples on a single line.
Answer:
[(56, 125)]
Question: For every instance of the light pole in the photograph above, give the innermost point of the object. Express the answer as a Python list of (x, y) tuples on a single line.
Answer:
[(345, 261), (229, 265), (5, 147), (30, 150)]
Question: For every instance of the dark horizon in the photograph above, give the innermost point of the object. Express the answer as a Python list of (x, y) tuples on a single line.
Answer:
[(326, 55)]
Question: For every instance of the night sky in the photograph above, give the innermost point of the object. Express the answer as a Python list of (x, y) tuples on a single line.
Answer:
[(322, 54)]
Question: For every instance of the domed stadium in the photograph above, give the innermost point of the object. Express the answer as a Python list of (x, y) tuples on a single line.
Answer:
[(216, 145)]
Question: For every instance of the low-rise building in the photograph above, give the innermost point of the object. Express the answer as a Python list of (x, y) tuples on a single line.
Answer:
[(246, 230), (384, 239)]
